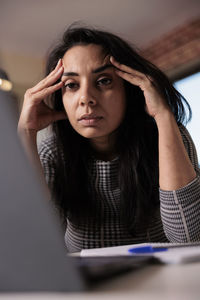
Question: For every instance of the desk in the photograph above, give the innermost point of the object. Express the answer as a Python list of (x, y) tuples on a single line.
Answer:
[(163, 282)]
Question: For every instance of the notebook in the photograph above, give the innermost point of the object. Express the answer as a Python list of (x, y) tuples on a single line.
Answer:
[(169, 253), (124, 250), (32, 253)]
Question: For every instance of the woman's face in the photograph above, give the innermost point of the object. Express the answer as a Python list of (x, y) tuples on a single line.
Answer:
[(93, 94)]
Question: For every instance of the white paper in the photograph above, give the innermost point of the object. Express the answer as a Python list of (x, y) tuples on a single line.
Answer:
[(176, 253)]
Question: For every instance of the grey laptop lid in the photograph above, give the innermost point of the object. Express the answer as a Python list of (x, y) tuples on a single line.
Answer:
[(32, 252)]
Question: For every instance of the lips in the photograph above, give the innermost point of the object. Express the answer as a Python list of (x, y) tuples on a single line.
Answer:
[(89, 119)]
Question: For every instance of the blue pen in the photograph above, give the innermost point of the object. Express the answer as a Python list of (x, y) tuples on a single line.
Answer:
[(145, 250)]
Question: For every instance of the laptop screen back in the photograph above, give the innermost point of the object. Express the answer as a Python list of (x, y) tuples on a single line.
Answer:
[(32, 252)]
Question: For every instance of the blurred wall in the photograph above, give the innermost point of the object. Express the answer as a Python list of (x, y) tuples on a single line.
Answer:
[(24, 71), (177, 52)]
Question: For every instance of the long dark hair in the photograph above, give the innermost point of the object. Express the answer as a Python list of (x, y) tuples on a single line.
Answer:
[(137, 140)]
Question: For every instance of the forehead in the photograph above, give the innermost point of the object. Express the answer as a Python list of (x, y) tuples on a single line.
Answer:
[(83, 56)]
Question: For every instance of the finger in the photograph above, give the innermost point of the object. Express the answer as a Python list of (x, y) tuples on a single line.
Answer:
[(52, 79), (40, 95), (48, 81), (59, 64), (150, 78), (125, 68), (54, 72), (136, 80)]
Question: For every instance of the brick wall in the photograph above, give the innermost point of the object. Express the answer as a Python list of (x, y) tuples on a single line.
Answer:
[(178, 51)]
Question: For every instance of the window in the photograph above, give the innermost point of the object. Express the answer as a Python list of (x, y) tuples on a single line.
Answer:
[(189, 87)]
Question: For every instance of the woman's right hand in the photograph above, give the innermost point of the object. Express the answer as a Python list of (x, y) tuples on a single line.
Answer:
[(35, 114)]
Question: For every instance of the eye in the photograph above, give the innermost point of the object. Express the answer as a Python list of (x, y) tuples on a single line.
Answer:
[(104, 81), (71, 86)]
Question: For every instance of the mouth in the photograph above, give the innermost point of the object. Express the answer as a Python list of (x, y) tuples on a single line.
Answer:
[(90, 119)]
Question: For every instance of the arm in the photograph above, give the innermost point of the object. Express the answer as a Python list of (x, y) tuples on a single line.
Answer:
[(180, 208), (179, 185), (175, 168), (36, 115)]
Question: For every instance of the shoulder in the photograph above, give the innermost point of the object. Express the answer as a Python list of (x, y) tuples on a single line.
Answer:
[(47, 149)]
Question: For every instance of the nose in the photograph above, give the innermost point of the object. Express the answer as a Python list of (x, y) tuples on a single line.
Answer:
[(87, 98)]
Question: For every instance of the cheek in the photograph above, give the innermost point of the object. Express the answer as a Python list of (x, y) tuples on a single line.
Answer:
[(118, 99), (118, 92), (65, 104), (68, 109), (69, 104), (119, 108)]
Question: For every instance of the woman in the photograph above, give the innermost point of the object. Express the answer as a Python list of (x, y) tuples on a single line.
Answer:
[(120, 165)]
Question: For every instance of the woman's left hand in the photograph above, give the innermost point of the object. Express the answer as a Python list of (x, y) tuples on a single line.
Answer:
[(156, 105)]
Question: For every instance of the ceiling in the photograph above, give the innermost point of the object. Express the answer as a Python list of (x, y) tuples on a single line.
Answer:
[(30, 27)]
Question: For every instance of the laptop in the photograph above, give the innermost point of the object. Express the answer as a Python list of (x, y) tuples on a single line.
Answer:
[(33, 256)]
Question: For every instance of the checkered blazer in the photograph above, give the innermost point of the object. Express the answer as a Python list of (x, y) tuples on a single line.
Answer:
[(176, 219)]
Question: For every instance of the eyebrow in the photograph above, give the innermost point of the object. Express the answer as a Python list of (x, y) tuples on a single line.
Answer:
[(102, 68), (98, 70)]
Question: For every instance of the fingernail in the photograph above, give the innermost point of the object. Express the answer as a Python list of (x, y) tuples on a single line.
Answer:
[(58, 62)]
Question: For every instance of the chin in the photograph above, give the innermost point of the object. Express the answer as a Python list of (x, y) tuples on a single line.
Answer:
[(91, 133)]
